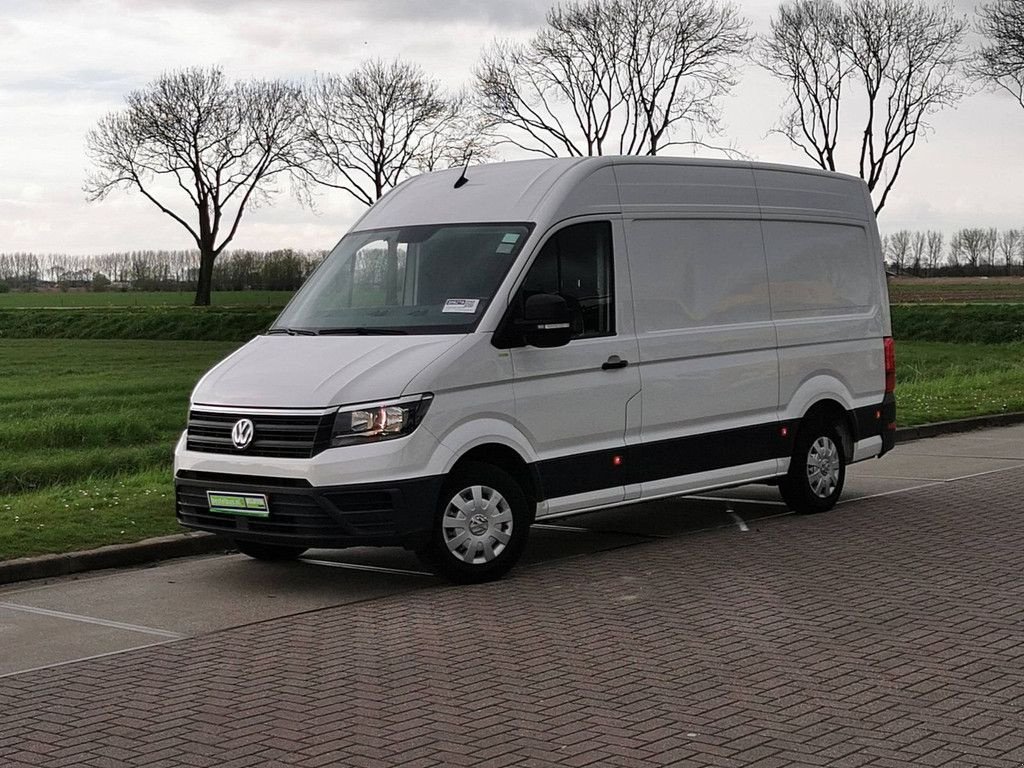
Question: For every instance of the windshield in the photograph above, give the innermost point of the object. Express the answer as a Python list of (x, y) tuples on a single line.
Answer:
[(427, 279)]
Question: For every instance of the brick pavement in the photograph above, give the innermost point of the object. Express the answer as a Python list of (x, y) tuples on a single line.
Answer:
[(887, 633)]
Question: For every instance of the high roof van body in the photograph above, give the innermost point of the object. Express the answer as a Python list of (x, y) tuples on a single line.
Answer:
[(550, 337)]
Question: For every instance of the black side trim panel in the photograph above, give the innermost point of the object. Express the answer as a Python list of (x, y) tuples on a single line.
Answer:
[(584, 472), (593, 471), (878, 420), (716, 450)]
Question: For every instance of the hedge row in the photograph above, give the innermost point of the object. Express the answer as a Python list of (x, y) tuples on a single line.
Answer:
[(976, 323), (165, 323), (963, 323)]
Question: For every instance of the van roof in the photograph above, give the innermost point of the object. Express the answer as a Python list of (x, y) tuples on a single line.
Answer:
[(553, 189)]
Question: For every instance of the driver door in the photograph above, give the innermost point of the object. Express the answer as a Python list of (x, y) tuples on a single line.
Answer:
[(575, 402)]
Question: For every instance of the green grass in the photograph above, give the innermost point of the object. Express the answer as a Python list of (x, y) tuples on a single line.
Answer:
[(87, 514), (18, 300), (938, 381), (87, 427)]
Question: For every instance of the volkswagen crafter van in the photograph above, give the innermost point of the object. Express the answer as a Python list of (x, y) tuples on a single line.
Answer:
[(541, 338)]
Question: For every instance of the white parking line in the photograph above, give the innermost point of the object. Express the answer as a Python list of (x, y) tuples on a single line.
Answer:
[(766, 502), (928, 484), (986, 472), (361, 567), (91, 620), (550, 527), (83, 658), (890, 493)]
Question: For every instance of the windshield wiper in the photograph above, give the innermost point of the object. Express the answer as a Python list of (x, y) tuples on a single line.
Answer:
[(291, 331), (361, 331)]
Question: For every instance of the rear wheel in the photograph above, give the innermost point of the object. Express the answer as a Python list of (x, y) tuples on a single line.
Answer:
[(268, 551), (481, 526), (817, 470)]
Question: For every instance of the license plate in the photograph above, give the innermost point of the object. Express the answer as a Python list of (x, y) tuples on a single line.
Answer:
[(249, 504)]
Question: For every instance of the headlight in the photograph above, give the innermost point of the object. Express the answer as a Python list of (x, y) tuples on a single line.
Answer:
[(370, 422)]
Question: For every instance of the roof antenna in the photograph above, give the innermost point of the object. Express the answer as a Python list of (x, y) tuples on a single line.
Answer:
[(462, 180)]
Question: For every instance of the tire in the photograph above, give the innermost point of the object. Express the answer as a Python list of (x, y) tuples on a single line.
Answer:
[(270, 552), (817, 470), (481, 525)]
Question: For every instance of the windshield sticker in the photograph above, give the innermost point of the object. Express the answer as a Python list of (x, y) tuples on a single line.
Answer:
[(463, 306), (505, 248), (511, 237)]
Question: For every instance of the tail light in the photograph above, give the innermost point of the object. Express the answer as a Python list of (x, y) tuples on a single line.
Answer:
[(890, 365)]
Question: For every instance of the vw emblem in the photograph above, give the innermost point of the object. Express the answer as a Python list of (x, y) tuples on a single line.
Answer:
[(242, 434)]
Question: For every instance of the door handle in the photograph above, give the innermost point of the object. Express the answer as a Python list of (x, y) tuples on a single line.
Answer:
[(614, 362)]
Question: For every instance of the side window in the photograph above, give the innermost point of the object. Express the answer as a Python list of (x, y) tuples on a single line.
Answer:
[(377, 275), (576, 263)]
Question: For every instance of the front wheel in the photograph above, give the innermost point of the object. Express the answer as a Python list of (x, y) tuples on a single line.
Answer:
[(817, 470), (481, 526), (260, 551)]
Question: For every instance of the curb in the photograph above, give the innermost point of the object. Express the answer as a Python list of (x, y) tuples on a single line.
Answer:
[(189, 544), (113, 556), (907, 434)]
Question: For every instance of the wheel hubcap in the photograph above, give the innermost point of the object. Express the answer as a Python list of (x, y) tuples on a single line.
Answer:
[(823, 467), (477, 524)]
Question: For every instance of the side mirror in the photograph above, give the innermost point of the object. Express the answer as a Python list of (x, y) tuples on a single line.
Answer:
[(546, 321)]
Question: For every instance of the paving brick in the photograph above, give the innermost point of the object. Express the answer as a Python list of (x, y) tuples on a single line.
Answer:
[(884, 634)]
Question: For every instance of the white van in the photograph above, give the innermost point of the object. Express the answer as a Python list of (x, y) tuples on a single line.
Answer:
[(548, 337)]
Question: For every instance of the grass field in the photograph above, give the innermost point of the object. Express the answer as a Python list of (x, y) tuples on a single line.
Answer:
[(939, 290), (86, 434), (937, 381), (902, 290), (87, 427), (16, 300)]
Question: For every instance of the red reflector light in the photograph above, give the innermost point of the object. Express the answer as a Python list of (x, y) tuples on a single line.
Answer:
[(616, 461), (890, 365), (878, 414), (784, 431)]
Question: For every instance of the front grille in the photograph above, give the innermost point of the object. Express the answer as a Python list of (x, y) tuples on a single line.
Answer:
[(283, 435)]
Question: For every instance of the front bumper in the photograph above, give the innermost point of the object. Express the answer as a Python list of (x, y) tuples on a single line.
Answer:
[(399, 513)]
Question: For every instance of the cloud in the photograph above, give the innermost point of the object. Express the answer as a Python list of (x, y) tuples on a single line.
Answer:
[(103, 81), (509, 14)]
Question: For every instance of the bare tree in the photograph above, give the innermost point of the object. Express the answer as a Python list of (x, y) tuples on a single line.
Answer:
[(385, 121), (968, 247), (899, 250), (1000, 61), (903, 58), (805, 49), (202, 150), (933, 252), (677, 64), (613, 76), (1009, 243), (989, 247), (918, 243)]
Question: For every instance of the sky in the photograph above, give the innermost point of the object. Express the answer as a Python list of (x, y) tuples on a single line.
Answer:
[(64, 64)]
